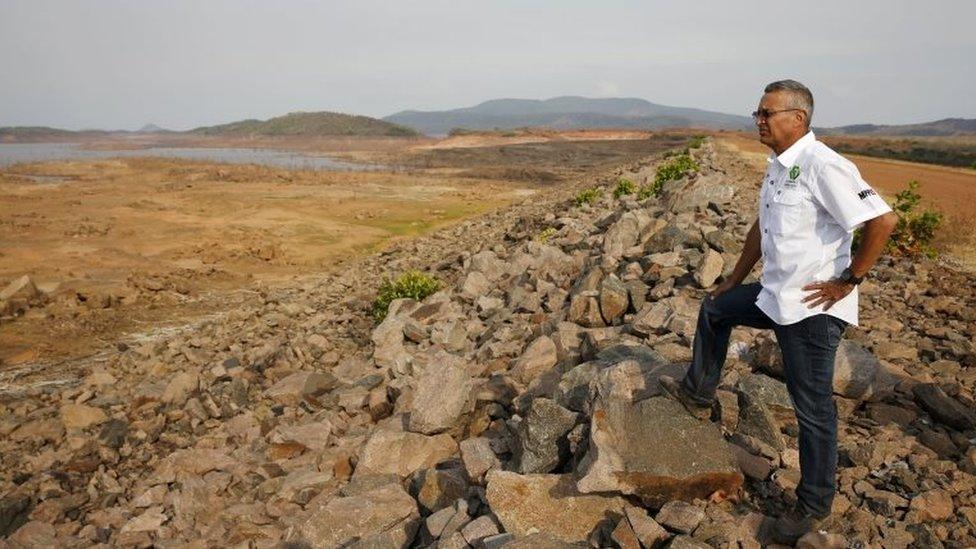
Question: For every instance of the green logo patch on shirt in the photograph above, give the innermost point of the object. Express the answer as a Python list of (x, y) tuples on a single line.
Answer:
[(794, 172)]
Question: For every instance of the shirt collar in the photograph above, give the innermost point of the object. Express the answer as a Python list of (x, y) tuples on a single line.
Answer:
[(788, 157)]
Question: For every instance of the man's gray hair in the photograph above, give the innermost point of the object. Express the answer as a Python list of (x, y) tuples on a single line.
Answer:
[(800, 96)]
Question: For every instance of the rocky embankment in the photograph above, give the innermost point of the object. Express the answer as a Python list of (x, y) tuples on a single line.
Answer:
[(517, 407)]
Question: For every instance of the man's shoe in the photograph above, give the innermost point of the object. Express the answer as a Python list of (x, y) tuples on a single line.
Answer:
[(794, 525), (674, 390)]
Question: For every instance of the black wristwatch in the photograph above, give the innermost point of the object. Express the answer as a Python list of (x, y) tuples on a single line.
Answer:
[(848, 277)]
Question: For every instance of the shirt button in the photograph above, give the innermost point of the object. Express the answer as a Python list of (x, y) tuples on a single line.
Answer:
[(767, 205), (765, 230)]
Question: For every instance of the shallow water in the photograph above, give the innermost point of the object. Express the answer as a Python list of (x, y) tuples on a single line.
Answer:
[(14, 153)]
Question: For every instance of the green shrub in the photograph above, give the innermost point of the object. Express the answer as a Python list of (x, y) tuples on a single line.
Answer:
[(588, 196), (696, 142), (624, 186), (973, 166), (546, 234), (673, 168), (645, 192), (412, 284), (916, 229)]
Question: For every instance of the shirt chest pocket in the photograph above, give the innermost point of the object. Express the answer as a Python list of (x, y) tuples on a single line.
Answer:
[(788, 210)]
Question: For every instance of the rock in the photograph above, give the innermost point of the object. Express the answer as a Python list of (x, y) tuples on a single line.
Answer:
[(655, 450), (584, 309), (624, 233), (680, 516), (313, 436), (752, 466), (33, 534), (384, 517), (696, 193), (478, 458), (650, 534), (886, 413), (20, 288), (709, 268), (548, 504), (415, 451), (14, 509), (821, 540), (538, 357), (439, 488), (441, 395), (932, 505), (623, 535), (475, 285), (479, 529), (301, 386), (756, 420), (613, 299), (79, 416), (180, 388), (541, 437), (769, 392), (855, 371), (943, 408)]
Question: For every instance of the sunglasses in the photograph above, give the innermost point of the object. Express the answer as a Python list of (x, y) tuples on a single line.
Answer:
[(765, 114)]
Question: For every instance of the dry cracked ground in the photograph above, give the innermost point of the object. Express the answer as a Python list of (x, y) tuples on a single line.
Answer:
[(517, 407)]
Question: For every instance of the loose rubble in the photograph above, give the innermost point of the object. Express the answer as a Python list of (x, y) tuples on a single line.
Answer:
[(516, 407)]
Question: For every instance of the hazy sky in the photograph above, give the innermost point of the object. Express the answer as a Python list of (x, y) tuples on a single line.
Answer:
[(185, 63)]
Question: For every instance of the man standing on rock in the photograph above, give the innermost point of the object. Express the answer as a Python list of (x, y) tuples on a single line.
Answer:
[(811, 201)]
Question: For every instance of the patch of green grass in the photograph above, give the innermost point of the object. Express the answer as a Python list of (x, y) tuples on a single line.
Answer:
[(624, 187), (673, 168), (588, 196), (411, 284), (546, 234)]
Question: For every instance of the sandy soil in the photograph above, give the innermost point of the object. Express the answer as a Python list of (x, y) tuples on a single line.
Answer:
[(951, 191), (124, 244)]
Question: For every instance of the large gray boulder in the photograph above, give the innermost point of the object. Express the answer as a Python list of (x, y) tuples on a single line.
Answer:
[(441, 395), (541, 443), (655, 450)]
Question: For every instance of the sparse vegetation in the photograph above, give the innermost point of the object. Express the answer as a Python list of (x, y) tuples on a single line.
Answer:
[(915, 231), (588, 196), (546, 234), (412, 284), (310, 123), (673, 168), (624, 187), (959, 151), (696, 142)]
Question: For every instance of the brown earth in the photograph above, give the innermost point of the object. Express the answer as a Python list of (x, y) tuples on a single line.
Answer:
[(124, 246), (951, 191)]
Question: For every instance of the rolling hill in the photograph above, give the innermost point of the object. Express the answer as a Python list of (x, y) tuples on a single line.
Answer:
[(939, 128), (308, 124), (567, 113)]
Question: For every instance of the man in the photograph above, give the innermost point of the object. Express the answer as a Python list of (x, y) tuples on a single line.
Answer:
[(811, 201)]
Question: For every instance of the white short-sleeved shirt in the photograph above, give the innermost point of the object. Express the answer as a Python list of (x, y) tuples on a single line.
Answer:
[(811, 201)]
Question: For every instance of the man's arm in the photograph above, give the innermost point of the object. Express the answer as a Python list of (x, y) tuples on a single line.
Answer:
[(874, 236), (751, 252)]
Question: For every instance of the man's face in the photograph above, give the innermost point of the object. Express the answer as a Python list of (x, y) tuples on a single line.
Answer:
[(779, 129)]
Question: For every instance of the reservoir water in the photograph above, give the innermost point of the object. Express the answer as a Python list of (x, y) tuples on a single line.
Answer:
[(14, 153)]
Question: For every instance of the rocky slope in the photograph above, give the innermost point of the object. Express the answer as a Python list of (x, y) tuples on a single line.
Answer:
[(518, 407)]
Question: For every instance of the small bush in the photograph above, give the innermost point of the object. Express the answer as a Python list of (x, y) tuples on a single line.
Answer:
[(916, 229), (624, 186), (696, 142), (412, 284), (973, 166), (546, 234), (588, 196), (674, 168)]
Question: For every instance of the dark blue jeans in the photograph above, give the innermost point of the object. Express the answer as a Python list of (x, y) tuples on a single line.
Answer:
[(808, 348)]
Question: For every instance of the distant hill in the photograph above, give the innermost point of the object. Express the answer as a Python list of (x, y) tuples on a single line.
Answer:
[(567, 113), (152, 128), (939, 128), (309, 124), (44, 134)]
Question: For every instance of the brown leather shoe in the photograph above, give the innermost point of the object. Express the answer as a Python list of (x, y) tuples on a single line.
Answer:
[(674, 390), (794, 525)]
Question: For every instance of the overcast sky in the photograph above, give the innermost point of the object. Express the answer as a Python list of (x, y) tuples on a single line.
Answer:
[(185, 63)]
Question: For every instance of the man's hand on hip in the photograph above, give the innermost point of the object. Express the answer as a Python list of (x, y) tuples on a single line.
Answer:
[(723, 287), (826, 293)]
